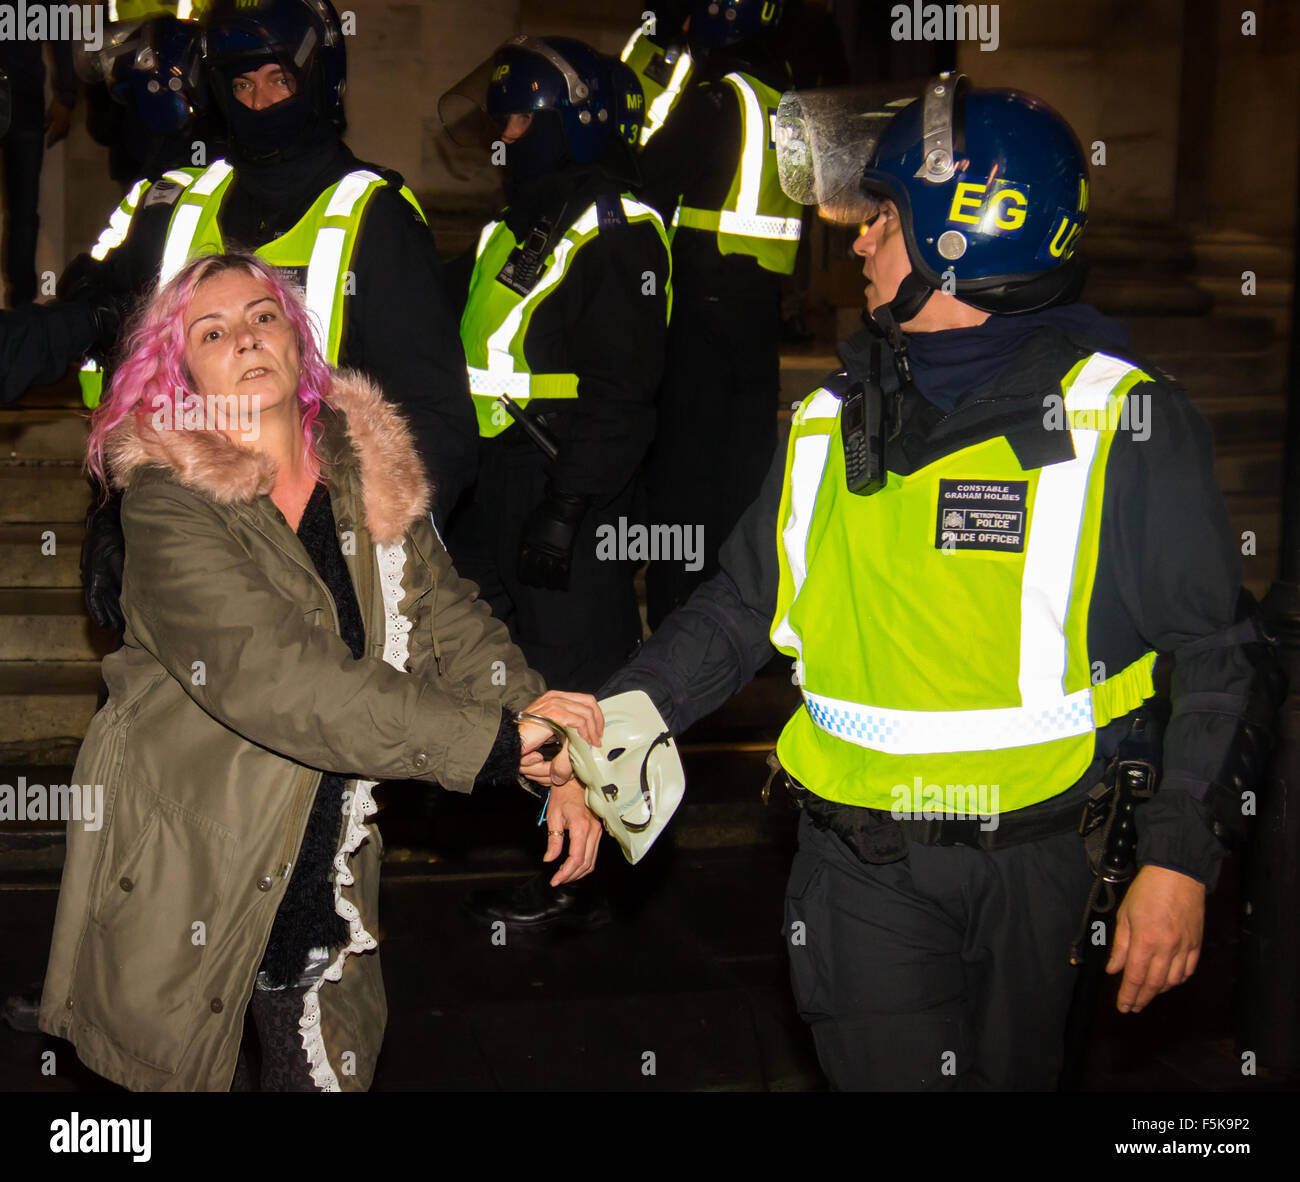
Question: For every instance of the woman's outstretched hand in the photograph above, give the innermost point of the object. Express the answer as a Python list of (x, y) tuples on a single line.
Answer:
[(567, 811), (579, 711)]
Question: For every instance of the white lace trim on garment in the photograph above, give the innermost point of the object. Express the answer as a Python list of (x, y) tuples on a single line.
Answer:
[(358, 806)]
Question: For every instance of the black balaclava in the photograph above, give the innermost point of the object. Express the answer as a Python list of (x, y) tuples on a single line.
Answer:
[(542, 150), (281, 132), (273, 131), (283, 155)]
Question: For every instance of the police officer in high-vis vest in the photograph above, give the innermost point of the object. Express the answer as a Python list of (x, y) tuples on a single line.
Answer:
[(657, 53), (710, 170), (151, 71), (350, 233), (977, 541), (564, 325)]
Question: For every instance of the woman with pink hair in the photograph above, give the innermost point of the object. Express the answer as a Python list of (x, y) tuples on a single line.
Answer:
[(294, 633)]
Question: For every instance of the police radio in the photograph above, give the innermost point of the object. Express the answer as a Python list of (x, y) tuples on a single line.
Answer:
[(862, 431)]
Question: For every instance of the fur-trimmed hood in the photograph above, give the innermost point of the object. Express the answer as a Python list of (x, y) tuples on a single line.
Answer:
[(359, 429)]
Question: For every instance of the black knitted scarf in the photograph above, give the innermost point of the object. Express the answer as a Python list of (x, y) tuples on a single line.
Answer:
[(306, 918)]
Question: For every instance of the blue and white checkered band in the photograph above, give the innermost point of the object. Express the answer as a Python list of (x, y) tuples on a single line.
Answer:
[(919, 732), (871, 730)]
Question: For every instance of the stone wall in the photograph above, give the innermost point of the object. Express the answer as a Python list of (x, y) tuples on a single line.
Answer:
[(1112, 68), (1199, 119)]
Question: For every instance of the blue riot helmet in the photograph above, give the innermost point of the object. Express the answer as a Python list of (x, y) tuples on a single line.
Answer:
[(304, 37), (562, 84), (154, 68), (991, 188), (717, 23), (539, 74)]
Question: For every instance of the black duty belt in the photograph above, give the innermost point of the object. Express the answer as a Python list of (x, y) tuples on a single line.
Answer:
[(876, 836)]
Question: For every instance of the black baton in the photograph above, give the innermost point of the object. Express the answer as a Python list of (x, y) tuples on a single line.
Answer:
[(538, 434)]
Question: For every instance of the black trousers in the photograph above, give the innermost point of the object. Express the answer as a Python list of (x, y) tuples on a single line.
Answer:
[(946, 971), (575, 638), (717, 426), (23, 150)]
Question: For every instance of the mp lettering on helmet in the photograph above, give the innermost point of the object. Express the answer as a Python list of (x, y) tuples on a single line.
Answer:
[(991, 206), (500, 72)]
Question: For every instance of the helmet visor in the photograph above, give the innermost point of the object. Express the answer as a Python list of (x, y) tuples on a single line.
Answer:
[(463, 109), (824, 139), (97, 65)]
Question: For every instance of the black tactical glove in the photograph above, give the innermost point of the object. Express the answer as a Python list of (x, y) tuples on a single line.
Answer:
[(84, 281), (101, 562), (547, 544)]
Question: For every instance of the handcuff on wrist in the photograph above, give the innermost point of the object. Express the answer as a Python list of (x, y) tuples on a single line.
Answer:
[(548, 750)]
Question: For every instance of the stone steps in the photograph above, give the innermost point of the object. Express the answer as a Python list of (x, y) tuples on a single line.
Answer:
[(1225, 251), (45, 707), (44, 433), (1271, 298), (24, 557), (1254, 469), (1198, 335), (1138, 294), (48, 494), (48, 624)]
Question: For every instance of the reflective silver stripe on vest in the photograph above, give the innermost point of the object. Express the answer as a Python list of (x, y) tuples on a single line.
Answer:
[(500, 377), (119, 223), (485, 236), (663, 102), (185, 221), (1047, 712), (810, 453), (327, 255), (759, 225), (1052, 551), (745, 218), (926, 732), (480, 380), (517, 385)]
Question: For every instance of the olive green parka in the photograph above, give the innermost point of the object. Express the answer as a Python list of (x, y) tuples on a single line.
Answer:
[(231, 694)]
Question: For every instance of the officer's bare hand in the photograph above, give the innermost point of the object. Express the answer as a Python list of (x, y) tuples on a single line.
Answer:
[(568, 811), (1157, 935), (579, 711)]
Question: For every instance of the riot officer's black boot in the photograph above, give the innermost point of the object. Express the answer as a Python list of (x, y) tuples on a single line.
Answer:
[(534, 904)]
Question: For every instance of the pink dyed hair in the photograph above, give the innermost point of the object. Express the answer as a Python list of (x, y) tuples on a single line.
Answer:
[(153, 353)]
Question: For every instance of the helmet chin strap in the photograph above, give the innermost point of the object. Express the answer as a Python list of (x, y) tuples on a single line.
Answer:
[(912, 295)]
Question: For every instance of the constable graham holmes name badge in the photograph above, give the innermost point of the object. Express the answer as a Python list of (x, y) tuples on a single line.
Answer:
[(981, 515)]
